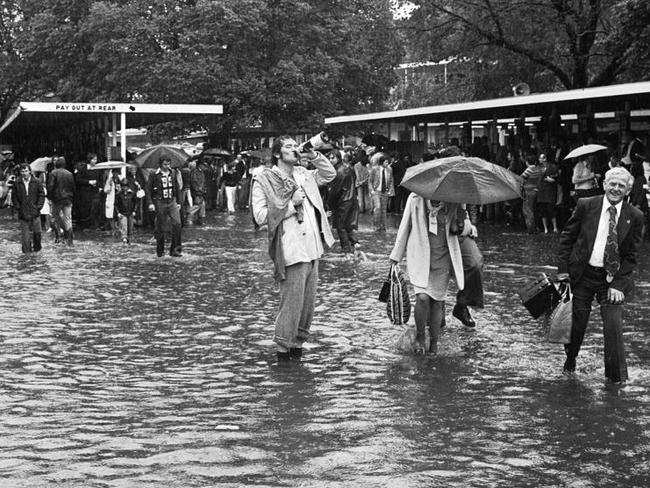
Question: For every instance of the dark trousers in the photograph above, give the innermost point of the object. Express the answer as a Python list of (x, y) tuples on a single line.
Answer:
[(30, 234), (594, 283), (472, 294), (167, 213), (345, 222)]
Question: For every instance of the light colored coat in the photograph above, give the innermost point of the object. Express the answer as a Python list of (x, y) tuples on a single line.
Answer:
[(413, 239)]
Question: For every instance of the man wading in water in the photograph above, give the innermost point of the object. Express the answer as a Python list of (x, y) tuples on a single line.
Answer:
[(286, 199)]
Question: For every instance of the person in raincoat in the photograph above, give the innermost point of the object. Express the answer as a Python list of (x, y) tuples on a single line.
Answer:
[(429, 235), (286, 199)]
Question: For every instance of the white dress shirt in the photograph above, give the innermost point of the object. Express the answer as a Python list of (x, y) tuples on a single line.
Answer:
[(597, 258)]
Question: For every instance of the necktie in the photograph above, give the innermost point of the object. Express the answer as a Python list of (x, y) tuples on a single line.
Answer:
[(611, 259), (383, 180)]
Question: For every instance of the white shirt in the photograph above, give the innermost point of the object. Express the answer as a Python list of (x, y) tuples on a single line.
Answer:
[(597, 258), (26, 183)]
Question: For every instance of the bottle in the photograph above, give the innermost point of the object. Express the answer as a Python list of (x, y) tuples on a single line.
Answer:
[(316, 142)]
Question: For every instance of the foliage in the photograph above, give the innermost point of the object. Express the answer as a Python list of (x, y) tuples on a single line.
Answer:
[(550, 44), (284, 64)]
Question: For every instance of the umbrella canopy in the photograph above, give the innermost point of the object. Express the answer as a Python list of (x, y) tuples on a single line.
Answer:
[(40, 164), (584, 150), (460, 179), (150, 157), (216, 151)]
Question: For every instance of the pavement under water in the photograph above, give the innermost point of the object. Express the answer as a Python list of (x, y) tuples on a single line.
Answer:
[(121, 369)]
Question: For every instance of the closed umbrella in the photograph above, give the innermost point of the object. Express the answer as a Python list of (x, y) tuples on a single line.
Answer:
[(584, 150), (460, 179), (150, 157), (112, 165), (216, 151), (264, 153), (40, 164)]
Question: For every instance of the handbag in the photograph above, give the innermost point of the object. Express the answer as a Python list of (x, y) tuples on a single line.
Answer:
[(539, 296), (560, 321), (384, 293), (398, 306)]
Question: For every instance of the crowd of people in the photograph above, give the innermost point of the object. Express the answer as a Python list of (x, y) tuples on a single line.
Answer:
[(598, 201), (119, 200), (598, 246)]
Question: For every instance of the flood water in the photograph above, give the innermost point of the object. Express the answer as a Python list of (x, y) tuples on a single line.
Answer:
[(120, 369)]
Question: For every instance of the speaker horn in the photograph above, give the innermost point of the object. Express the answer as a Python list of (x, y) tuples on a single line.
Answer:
[(521, 89)]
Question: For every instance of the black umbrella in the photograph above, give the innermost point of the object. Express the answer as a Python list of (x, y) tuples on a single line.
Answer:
[(150, 157)]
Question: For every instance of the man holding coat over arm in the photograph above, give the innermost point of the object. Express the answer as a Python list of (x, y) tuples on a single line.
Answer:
[(286, 199)]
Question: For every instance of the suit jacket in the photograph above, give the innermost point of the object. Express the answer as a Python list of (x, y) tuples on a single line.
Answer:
[(579, 234), (29, 204), (375, 180)]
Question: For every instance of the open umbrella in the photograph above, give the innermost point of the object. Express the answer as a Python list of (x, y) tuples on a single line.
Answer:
[(113, 165), (40, 164), (216, 151), (584, 150), (150, 157), (460, 179)]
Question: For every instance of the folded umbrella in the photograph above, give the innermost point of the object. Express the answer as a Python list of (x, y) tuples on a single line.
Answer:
[(216, 151), (584, 150), (264, 153), (112, 165), (460, 179)]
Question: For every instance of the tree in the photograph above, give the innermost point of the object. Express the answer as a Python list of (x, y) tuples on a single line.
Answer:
[(580, 43), (283, 64)]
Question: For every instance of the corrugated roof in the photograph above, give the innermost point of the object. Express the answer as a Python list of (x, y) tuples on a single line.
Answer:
[(603, 98)]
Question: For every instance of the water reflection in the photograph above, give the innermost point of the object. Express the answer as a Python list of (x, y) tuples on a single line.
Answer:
[(122, 369)]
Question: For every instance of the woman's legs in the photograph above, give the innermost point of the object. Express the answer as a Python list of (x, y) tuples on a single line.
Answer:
[(427, 312), (545, 224), (435, 315), (422, 315)]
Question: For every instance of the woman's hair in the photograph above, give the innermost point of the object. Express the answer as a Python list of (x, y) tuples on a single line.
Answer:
[(336, 153)]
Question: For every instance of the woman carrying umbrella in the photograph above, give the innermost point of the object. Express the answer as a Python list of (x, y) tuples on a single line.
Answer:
[(547, 193), (428, 234), (584, 179)]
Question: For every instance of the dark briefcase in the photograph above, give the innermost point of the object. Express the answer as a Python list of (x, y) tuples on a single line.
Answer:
[(539, 296)]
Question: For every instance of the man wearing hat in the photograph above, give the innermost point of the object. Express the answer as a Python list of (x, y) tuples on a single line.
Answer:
[(163, 197)]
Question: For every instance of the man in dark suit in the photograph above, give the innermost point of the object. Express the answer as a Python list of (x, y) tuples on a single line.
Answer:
[(597, 253), (28, 198)]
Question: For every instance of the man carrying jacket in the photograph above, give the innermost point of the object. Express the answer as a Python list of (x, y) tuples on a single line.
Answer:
[(286, 199), (28, 198)]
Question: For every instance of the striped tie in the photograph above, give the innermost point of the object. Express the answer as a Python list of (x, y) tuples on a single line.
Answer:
[(611, 260)]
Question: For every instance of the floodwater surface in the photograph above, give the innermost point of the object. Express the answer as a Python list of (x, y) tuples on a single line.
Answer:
[(120, 369)]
